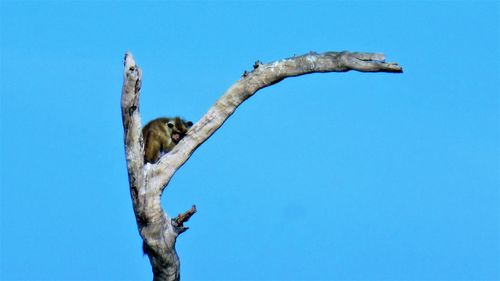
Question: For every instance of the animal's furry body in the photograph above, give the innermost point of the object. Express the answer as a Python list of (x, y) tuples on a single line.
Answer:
[(161, 135)]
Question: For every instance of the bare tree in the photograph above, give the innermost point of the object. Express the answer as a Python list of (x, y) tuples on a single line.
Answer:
[(147, 181)]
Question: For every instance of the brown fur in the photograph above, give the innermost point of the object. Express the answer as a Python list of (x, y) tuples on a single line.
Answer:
[(161, 135)]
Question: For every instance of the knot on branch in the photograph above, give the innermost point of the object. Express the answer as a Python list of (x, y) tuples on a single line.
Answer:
[(178, 222), (131, 110), (138, 85), (257, 64)]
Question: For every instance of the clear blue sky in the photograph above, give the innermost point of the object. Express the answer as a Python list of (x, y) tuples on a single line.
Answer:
[(355, 176)]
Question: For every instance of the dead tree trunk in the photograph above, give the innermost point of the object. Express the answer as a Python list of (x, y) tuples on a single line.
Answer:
[(147, 182)]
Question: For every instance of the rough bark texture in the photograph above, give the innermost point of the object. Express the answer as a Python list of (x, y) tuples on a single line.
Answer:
[(147, 182)]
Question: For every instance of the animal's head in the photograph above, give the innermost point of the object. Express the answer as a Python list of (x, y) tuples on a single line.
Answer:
[(178, 128)]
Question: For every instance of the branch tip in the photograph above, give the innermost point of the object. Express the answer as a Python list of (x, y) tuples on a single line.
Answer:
[(128, 60)]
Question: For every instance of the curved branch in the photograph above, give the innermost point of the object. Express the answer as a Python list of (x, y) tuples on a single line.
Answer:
[(262, 76)]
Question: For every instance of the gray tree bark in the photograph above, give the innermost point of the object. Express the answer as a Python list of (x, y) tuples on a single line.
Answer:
[(147, 182)]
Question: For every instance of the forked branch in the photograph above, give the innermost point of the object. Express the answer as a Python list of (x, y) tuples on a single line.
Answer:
[(147, 182)]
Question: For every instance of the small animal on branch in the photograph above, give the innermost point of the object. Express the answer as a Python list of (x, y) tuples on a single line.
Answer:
[(161, 135)]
